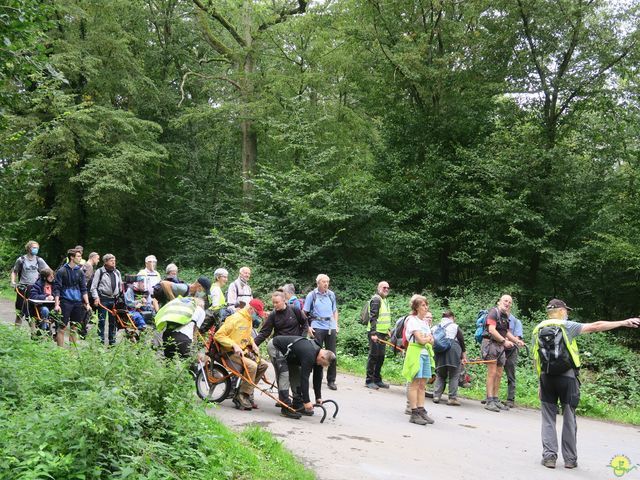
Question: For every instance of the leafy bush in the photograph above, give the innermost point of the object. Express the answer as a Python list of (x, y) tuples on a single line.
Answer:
[(119, 413)]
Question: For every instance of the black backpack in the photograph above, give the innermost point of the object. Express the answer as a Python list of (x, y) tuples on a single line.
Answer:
[(159, 294), (555, 358)]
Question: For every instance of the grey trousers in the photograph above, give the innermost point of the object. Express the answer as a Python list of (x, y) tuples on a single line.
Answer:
[(510, 370), (442, 373), (566, 390), (287, 375)]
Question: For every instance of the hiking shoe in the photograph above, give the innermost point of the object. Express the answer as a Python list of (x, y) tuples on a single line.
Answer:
[(285, 412), (549, 462), (483, 402), (305, 412), (492, 407), (423, 413), (454, 402), (501, 405), (436, 398), (372, 386), (570, 464), (428, 394), (332, 386), (407, 411), (417, 419), (242, 402), (252, 401), (510, 403), (381, 384)]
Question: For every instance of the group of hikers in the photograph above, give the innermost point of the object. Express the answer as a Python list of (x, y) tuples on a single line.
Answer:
[(301, 335)]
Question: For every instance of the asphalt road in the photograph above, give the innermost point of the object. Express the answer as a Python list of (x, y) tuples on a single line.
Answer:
[(372, 438)]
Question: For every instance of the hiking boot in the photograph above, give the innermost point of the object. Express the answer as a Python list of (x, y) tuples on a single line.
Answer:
[(454, 402), (417, 418), (242, 402), (571, 464), (381, 384), (549, 462), (372, 386), (423, 413), (483, 402), (332, 386), (492, 407), (407, 411), (285, 412), (501, 405), (436, 398), (510, 403)]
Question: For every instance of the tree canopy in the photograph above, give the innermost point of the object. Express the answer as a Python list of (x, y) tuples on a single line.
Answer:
[(437, 144)]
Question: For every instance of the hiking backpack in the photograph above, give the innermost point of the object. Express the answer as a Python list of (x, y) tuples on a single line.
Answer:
[(365, 313), (481, 325), (553, 352), (398, 337), (440, 341)]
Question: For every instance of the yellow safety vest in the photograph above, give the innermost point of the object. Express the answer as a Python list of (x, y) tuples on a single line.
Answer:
[(179, 311), (384, 316), (221, 300), (571, 346)]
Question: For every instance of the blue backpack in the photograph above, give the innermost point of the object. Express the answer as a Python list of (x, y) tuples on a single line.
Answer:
[(440, 341), (481, 325)]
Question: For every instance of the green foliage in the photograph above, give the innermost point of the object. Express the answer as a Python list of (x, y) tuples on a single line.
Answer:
[(457, 145), (118, 413)]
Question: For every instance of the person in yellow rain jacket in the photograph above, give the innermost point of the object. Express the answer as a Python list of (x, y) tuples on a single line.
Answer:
[(235, 338)]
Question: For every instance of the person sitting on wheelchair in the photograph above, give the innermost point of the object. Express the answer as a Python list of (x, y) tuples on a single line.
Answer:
[(43, 290), (235, 339)]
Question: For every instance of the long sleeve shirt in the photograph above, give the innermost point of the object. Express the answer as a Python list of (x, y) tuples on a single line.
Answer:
[(288, 321), (303, 352)]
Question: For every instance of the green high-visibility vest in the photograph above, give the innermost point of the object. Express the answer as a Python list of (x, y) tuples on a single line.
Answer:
[(571, 346), (384, 315), (178, 311)]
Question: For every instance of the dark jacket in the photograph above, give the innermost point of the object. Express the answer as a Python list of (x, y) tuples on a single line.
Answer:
[(303, 352), (289, 321), (70, 283), (37, 290)]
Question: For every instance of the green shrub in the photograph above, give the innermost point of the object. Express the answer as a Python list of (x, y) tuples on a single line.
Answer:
[(97, 413)]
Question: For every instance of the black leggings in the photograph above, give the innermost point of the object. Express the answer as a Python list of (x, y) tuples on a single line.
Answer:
[(327, 339)]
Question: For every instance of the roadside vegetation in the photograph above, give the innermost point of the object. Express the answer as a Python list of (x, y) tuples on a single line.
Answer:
[(96, 413)]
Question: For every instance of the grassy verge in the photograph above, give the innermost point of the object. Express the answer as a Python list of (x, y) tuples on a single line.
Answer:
[(611, 366), (117, 413)]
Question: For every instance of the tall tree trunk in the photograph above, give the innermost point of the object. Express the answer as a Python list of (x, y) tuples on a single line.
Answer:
[(249, 135)]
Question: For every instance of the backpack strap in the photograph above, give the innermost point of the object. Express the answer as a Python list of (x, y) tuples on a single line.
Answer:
[(20, 267), (290, 346)]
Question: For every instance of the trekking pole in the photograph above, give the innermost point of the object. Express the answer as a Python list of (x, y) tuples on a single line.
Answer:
[(477, 362), (251, 382), (391, 345)]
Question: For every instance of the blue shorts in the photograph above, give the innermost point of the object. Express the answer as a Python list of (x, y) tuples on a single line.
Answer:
[(425, 367)]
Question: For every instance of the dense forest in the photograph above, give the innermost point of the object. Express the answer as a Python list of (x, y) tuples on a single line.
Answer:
[(439, 144)]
